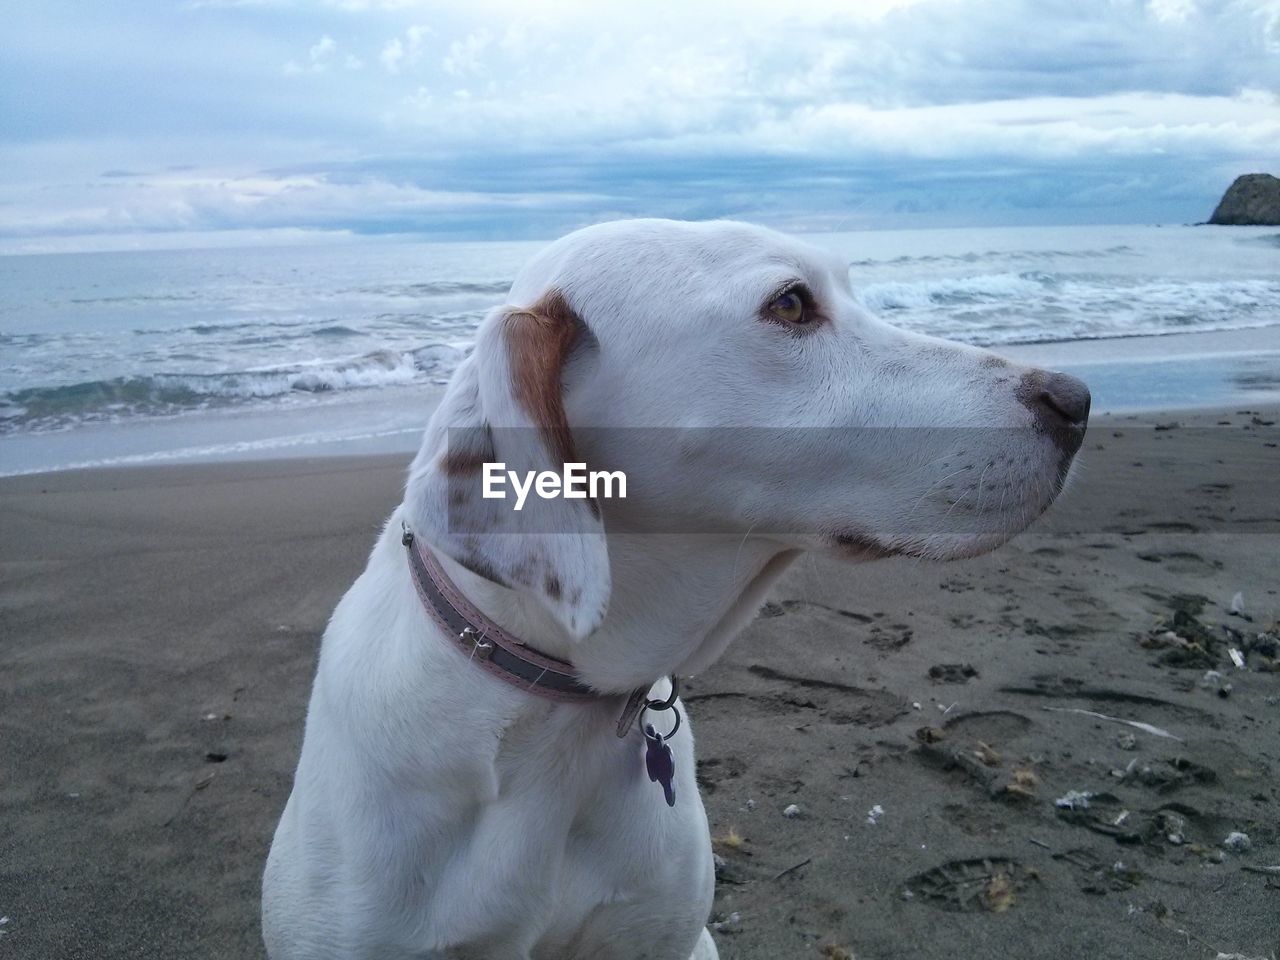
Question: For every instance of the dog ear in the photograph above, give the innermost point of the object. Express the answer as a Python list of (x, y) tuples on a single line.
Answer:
[(505, 405)]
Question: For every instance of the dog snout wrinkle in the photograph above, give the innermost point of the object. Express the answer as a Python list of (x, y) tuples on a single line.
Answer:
[(1060, 403)]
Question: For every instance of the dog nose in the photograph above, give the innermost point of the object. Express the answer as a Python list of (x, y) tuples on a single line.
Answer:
[(1067, 397), (1060, 403)]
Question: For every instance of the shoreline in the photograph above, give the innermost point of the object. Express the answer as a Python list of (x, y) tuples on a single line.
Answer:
[(1199, 371), (1197, 418)]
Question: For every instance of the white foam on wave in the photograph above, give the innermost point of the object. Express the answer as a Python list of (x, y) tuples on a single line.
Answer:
[(161, 394), (984, 288), (1003, 309)]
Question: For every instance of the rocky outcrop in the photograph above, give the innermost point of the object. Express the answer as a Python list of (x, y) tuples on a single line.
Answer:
[(1253, 200)]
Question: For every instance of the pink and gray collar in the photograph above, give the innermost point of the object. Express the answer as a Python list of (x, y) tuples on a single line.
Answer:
[(493, 649)]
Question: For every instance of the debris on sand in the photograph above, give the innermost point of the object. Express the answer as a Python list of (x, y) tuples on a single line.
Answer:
[(1104, 814), (1207, 853), (791, 811), (1213, 680), (1025, 777), (970, 886), (730, 842), (1016, 791), (1265, 643), (930, 734), (1186, 641), (1262, 648), (833, 951), (1074, 800), (1237, 842), (950, 757), (730, 924), (1173, 825), (1022, 786), (987, 755), (793, 868), (952, 672), (874, 815), (1136, 724), (998, 895), (1174, 773)]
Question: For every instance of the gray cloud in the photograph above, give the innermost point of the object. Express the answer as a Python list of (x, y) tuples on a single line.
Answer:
[(384, 115)]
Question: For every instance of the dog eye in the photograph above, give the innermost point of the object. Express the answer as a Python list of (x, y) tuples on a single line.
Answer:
[(789, 307)]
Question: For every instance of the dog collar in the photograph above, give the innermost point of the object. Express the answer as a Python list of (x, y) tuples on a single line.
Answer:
[(510, 660)]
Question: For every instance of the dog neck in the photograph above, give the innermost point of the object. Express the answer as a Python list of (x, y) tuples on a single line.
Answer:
[(676, 604)]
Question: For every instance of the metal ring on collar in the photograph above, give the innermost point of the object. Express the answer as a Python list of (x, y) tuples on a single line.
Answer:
[(668, 703), (662, 736)]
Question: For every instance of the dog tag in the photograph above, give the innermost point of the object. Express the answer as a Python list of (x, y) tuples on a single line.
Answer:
[(659, 762)]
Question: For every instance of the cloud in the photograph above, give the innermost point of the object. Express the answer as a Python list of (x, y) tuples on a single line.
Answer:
[(512, 115), (322, 55), (392, 55), (466, 56), (197, 200), (399, 53)]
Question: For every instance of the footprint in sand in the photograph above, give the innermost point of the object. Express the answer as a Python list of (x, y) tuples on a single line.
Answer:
[(970, 886)]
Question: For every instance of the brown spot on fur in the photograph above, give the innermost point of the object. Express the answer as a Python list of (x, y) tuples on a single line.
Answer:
[(523, 570), (481, 567), (993, 361), (462, 459), (553, 587), (539, 340)]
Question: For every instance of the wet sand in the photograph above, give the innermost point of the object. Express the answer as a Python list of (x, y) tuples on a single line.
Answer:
[(159, 626)]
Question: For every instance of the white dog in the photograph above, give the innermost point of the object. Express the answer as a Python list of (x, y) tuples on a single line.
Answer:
[(440, 812)]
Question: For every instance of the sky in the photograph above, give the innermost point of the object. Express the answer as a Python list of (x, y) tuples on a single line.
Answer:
[(147, 123)]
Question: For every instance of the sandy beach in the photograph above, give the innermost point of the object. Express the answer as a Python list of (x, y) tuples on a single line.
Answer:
[(952, 736)]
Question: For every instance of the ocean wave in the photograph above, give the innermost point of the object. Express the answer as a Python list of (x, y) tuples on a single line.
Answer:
[(426, 288), (950, 291), (159, 394), (144, 299), (1015, 256), (1034, 307), (1261, 240), (437, 288), (298, 328)]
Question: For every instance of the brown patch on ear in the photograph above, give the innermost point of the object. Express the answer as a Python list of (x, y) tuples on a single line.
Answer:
[(539, 340)]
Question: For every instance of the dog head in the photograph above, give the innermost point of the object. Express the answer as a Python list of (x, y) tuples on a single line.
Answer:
[(731, 374)]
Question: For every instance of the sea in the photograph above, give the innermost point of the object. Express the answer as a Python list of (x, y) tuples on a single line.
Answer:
[(121, 358)]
